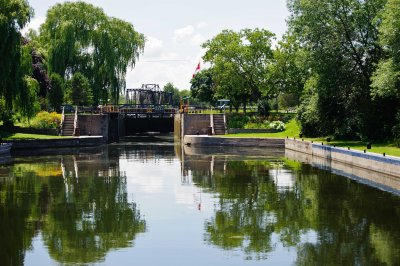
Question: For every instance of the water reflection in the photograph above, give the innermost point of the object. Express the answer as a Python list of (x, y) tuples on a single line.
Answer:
[(327, 219), (224, 206), (78, 203)]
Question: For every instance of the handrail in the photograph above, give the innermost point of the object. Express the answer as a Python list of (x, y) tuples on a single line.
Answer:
[(62, 121), (76, 120)]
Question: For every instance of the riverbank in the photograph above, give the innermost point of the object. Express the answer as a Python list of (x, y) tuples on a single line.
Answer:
[(70, 142)]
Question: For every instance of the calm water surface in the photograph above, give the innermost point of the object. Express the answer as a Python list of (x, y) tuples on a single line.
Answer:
[(153, 203)]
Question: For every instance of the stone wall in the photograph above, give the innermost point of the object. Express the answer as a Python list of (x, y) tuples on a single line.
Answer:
[(191, 124), (372, 161), (234, 142), (93, 125), (363, 175), (196, 124)]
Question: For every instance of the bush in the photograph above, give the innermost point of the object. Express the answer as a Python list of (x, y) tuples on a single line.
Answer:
[(237, 121), (44, 120), (277, 125)]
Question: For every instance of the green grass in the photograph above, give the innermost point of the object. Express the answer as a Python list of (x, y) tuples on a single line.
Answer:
[(388, 148), (292, 130), (15, 136)]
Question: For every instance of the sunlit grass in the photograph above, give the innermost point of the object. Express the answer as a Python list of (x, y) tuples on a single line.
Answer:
[(14, 136)]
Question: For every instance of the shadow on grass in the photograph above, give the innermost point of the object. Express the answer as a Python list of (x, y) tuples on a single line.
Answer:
[(5, 135)]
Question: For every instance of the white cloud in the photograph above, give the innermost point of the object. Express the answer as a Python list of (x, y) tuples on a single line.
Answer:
[(153, 47), (201, 25), (197, 39), (34, 24), (183, 34)]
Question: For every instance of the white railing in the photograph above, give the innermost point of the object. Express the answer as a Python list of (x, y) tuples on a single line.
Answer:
[(62, 121), (76, 120)]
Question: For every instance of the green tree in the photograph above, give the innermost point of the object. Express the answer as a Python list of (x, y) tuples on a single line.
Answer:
[(202, 86), (341, 39), (14, 15), (288, 71), (386, 79), (239, 61), (56, 94), (80, 37), (79, 90), (170, 88)]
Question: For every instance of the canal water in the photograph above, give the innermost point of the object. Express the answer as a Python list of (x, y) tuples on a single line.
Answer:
[(147, 202)]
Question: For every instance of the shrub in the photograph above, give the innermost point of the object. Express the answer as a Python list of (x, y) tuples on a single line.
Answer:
[(237, 121), (45, 119), (277, 125)]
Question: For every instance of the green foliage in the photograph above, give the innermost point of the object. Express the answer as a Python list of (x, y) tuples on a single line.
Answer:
[(46, 120), (169, 87), (237, 120), (263, 107), (308, 116), (14, 15), (56, 94), (340, 39), (79, 90), (80, 37), (27, 101), (239, 61), (202, 87)]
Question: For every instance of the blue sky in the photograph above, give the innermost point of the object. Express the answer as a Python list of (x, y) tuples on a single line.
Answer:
[(175, 30)]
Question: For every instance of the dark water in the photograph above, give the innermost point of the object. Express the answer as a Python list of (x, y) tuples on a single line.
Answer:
[(157, 204)]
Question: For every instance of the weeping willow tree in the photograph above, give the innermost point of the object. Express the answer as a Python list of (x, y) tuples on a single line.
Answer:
[(14, 15), (80, 37)]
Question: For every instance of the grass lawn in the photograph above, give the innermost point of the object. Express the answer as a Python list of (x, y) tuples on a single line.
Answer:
[(388, 148), (13, 136), (293, 130)]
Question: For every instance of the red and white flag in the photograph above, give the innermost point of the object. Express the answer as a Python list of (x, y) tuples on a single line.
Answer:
[(197, 70)]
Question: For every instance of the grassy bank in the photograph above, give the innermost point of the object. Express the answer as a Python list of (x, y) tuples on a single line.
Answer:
[(293, 130), (15, 136)]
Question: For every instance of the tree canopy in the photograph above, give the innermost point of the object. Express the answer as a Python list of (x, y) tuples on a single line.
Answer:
[(14, 15), (239, 61), (80, 37)]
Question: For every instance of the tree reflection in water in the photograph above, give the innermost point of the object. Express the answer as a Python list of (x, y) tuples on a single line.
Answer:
[(328, 219), (78, 203)]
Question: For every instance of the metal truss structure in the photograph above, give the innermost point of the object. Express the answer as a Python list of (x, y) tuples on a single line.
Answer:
[(149, 95)]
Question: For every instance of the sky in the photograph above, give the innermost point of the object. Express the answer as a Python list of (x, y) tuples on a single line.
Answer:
[(175, 30)]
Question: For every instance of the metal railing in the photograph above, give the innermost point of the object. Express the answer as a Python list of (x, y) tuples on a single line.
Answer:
[(76, 122), (62, 121)]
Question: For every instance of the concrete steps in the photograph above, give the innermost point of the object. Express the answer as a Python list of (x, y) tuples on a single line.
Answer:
[(219, 124), (68, 125)]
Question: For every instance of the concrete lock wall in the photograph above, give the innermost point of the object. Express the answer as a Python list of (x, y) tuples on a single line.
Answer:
[(191, 124), (372, 161), (380, 180), (194, 124), (93, 125), (234, 142)]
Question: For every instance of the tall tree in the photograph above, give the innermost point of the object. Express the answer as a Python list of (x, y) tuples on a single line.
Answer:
[(240, 60), (386, 79), (170, 88), (56, 94), (80, 37), (202, 87), (79, 90), (14, 15), (342, 40)]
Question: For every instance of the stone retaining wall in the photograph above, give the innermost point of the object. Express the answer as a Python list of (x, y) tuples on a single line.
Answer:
[(236, 142), (372, 161), (86, 141)]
